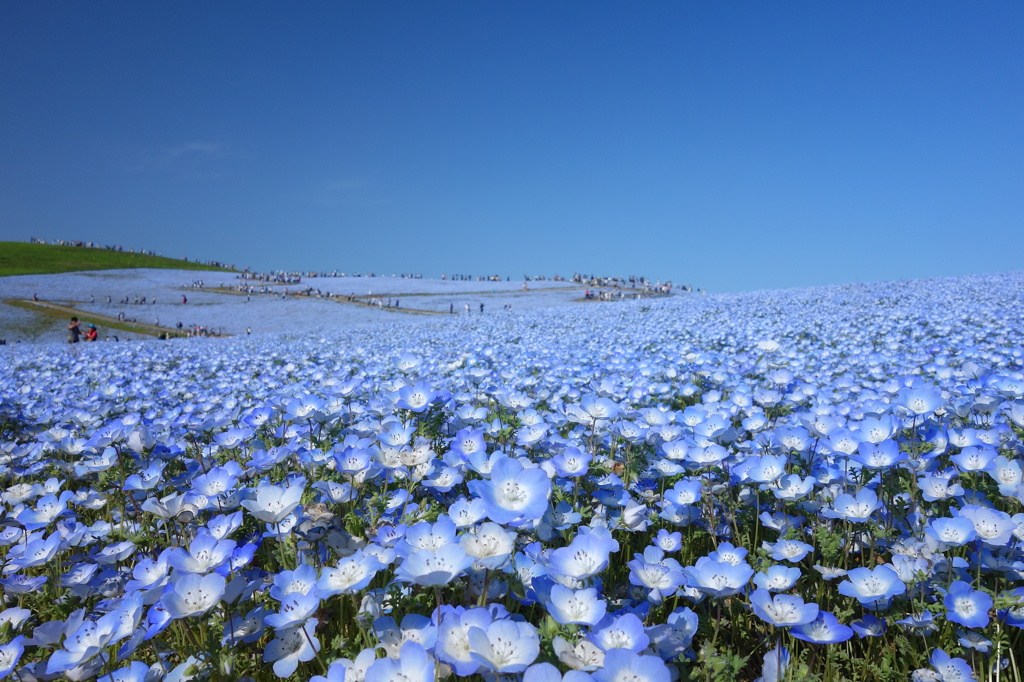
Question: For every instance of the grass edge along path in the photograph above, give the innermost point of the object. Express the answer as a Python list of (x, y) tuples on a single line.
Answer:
[(60, 310)]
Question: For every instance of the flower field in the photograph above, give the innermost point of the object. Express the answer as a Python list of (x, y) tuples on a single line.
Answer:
[(818, 484)]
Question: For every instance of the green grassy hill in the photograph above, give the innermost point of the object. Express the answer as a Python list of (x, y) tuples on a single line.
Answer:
[(21, 258)]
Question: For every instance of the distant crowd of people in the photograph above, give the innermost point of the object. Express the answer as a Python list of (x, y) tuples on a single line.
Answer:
[(282, 277)]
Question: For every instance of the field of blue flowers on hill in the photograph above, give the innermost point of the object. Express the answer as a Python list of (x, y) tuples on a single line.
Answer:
[(818, 484)]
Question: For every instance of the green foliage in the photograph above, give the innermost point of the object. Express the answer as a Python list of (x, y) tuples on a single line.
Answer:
[(20, 258), (714, 665)]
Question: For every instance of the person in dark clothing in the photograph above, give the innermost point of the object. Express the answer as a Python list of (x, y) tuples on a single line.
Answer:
[(74, 331)]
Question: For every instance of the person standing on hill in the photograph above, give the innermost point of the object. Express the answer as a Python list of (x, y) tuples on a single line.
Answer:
[(74, 331), (91, 333)]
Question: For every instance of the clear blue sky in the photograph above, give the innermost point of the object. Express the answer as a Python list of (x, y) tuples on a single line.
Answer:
[(732, 146)]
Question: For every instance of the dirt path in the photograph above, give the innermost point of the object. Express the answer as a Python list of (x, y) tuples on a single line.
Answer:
[(96, 318)]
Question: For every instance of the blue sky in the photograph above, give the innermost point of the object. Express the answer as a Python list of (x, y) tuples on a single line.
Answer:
[(731, 146)]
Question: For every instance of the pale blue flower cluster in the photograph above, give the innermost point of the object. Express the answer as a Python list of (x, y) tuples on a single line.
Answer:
[(555, 495)]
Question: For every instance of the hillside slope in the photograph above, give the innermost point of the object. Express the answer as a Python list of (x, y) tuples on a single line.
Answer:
[(21, 258)]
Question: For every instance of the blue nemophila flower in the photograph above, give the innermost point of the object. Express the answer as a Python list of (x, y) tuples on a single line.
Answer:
[(922, 399), (469, 442), (295, 609), (14, 617), (36, 552), (684, 492), (777, 578), (766, 468), (504, 646), (879, 455), (245, 629), (668, 541), (545, 672), (729, 553), (793, 487), (147, 479), (774, 665), (622, 664), (531, 434), (872, 587), (136, 671), (18, 583), (970, 639), (10, 654), (218, 480), (114, 553), (426, 535), (967, 606), (394, 434), (592, 411), (429, 568), (622, 631), (414, 628), (661, 576), (192, 594), (782, 610), (875, 430), (788, 550), (415, 398), (291, 647), (974, 458), (718, 579), (233, 437), (91, 637), (302, 579), (947, 668), (922, 623), (1007, 473), (857, 508), (584, 655), (352, 574), (452, 646), (490, 545), (575, 607), (584, 557), (205, 554), (993, 527), (343, 668), (674, 636), (571, 462), (47, 509), (444, 479), (1014, 615), (514, 495), (939, 486), (825, 629), (413, 664), (466, 513), (273, 503), (951, 532), (869, 626)]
